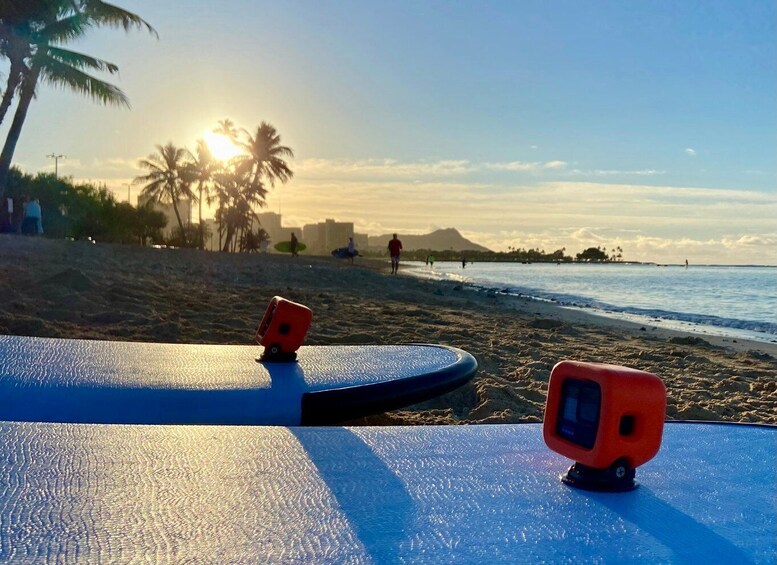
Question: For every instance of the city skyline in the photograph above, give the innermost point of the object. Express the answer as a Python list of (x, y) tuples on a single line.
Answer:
[(646, 126)]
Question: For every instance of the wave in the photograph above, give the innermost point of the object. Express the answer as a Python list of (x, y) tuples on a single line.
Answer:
[(757, 329)]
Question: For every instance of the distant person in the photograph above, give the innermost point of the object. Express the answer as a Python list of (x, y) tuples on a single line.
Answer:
[(431, 261), (293, 245), (351, 249), (463, 262), (427, 260), (264, 247), (394, 247), (32, 224), (686, 263)]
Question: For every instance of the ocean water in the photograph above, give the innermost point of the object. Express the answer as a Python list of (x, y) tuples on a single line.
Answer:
[(718, 300)]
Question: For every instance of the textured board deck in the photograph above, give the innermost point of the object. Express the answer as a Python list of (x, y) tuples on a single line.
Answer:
[(468, 494), (81, 381)]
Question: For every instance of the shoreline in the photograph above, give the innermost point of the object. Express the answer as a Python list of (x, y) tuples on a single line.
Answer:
[(676, 322), (77, 290), (590, 316)]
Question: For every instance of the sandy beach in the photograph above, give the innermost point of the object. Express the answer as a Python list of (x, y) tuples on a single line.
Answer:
[(80, 290)]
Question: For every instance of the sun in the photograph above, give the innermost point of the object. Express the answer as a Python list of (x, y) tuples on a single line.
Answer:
[(221, 147)]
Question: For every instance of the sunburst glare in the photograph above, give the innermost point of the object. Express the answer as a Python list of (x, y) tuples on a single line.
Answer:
[(221, 147)]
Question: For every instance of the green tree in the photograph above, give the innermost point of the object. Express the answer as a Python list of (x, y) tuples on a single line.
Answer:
[(592, 255), (167, 180), (34, 35)]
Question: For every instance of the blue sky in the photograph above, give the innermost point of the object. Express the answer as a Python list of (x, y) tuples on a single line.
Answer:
[(649, 125)]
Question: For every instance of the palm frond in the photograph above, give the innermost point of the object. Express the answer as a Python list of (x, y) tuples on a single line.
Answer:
[(80, 60), (64, 29), (103, 13), (62, 75)]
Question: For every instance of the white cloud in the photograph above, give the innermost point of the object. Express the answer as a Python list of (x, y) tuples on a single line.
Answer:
[(690, 152), (522, 166), (391, 168), (380, 168)]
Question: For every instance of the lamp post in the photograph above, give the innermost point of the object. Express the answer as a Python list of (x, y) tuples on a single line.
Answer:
[(128, 185), (56, 162)]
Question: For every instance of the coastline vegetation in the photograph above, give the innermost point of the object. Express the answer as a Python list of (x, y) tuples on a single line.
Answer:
[(84, 210), (513, 255)]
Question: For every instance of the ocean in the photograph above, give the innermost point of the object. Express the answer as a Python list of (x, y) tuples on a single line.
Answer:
[(728, 301)]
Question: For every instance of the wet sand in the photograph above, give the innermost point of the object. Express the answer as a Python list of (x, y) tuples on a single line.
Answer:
[(80, 290)]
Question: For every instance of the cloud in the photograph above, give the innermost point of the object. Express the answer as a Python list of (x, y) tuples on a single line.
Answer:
[(391, 168), (690, 152), (522, 166), (616, 172), (729, 249), (381, 168)]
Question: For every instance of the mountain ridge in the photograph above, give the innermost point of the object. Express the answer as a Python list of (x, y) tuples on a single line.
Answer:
[(439, 240)]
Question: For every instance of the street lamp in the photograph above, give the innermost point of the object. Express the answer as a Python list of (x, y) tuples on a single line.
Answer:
[(56, 162), (128, 185)]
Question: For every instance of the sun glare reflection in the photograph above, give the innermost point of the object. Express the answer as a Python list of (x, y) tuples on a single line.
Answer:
[(221, 147)]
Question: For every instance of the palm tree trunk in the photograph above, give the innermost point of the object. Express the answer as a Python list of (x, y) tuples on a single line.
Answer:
[(14, 76), (180, 223), (228, 238), (199, 215), (28, 90)]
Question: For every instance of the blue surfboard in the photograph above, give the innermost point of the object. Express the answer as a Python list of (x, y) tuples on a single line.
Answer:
[(460, 494), (62, 380)]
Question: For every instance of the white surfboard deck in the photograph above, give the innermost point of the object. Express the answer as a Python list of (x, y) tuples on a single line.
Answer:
[(82, 381), (460, 494)]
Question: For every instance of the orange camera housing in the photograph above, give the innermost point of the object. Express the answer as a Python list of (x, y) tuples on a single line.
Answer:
[(601, 414), (283, 328)]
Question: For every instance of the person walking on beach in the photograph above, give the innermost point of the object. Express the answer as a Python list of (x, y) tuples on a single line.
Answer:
[(351, 249), (32, 225), (293, 245), (394, 247)]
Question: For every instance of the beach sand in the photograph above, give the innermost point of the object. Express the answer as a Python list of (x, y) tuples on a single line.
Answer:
[(80, 290)]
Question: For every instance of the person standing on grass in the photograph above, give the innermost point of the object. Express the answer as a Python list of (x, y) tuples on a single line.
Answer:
[(394, 247), (293, 245)]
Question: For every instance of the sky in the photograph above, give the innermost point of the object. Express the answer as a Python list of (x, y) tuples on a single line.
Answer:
[(646, 125)]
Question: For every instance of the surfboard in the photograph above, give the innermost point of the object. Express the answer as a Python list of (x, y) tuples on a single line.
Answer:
[(285, 247), (459, 494), (343, 253), (62, 380)]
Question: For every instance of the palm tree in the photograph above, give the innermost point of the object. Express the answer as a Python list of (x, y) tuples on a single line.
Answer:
[(167, 180), (34, 46), (201, 169), (237, 195), (226, 127), (265, 156)]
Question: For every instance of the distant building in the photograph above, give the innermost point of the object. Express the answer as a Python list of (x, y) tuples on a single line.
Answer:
[(271, 222), (321, 237), (184, 209), (325, 236)]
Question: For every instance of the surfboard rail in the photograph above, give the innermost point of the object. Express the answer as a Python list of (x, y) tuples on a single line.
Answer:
[(82, 381)]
